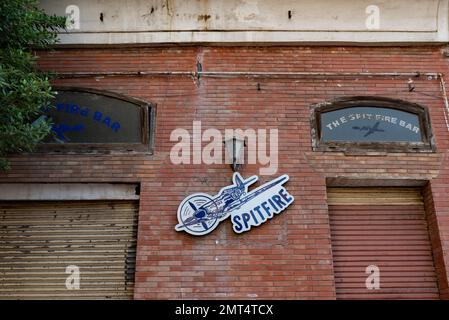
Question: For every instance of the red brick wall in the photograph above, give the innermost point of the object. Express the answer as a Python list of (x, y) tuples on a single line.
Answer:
[(290, 256), (434, 222)]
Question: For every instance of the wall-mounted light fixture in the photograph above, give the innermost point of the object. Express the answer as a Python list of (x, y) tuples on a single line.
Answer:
[(235, 151), (411, 85)]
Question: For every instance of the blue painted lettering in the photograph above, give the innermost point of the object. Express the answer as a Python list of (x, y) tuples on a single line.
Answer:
[(253, 215), (74, 108), (276, 203), (278, 200), (273, 205), (97, 116), (237, 225), (267, 209), (257, 209), (246, 217), (115, 126), (84, 112), (284, 194), (107, 121)]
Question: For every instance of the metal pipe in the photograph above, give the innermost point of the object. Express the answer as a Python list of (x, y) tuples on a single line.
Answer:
[(244, 74), (315, 74), (65, 75), (446, 102)]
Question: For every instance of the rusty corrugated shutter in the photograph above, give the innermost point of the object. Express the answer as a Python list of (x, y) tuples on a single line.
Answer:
[(385, 227), (38, 240)]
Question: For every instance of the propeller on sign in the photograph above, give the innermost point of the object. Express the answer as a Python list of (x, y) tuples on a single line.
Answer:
[(194, 208), (192, 205)]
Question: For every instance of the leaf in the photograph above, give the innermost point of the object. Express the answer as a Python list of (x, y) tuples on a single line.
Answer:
[(24, 90)]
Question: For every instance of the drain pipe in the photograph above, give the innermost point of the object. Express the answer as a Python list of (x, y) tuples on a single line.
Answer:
[(65, 75), (314, 74), (446, 103)]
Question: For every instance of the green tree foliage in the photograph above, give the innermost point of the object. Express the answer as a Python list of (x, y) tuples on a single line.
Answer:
[(24, 90)]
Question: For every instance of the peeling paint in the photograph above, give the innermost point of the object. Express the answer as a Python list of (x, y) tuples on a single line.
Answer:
[(204, 17), (148, 21)]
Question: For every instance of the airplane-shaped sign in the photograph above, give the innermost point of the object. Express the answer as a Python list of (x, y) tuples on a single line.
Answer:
[(200, 213)]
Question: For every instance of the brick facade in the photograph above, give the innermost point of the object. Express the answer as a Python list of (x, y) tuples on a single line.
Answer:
[(289, 257)]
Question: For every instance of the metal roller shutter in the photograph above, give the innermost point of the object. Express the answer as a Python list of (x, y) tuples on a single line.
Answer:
[(38, 240), (385, 227)]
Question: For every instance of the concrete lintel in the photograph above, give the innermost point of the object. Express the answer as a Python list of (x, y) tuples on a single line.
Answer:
[(253, 37), (381, 182), (68, 191)]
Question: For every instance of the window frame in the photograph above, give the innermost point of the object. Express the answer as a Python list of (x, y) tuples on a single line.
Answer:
[(427, 145), (147, 124)]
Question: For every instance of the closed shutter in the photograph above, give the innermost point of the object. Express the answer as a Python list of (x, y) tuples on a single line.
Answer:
[(385, 227), (39, 240)]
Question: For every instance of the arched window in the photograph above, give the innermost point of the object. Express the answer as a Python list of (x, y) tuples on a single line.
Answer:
[(371, 124), (91, 120)]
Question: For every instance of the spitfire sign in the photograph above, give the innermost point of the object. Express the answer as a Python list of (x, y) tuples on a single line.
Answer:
[(370, 124), (200, 213)]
